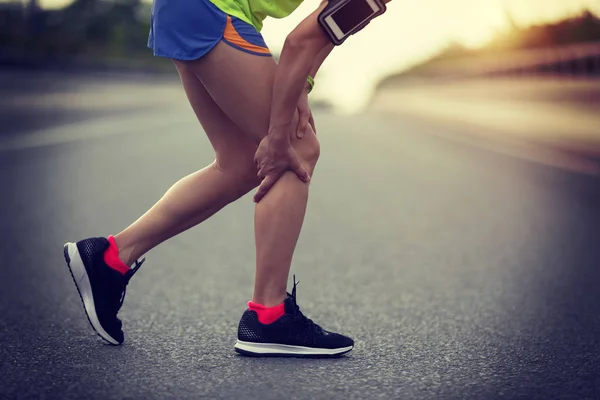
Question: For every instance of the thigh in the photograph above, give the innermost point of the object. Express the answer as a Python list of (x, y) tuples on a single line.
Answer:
[(241, 84), (232, 146)]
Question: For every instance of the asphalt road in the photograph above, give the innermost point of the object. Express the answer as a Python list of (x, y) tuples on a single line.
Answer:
[(461, 273)]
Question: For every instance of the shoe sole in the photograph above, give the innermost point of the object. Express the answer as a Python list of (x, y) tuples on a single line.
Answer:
[(284, 350), (84, 288)]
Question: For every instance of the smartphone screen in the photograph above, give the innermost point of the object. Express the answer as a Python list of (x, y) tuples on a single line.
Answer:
[(352, 14)]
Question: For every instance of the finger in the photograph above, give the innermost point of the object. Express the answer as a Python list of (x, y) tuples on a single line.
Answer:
[(302, 122), (299, 170), (264, 187), (301, 128)]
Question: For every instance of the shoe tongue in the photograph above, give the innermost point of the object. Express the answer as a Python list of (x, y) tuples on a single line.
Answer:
[(289, 306), (128, 276)]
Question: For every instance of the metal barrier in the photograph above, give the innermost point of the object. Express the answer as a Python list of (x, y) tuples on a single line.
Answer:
[(572, 60)]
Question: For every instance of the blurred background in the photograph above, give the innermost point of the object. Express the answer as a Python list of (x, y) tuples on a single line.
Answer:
[(434, 58), (452, 226)]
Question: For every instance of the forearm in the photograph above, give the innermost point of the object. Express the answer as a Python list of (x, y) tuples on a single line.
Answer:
[(301, 50), (295, 64), (323, 54)]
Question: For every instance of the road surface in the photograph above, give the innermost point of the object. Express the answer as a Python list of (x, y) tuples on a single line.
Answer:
[(460, 272)]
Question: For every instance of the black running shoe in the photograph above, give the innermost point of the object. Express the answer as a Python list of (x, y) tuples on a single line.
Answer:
[(101, 288), (292, 335)]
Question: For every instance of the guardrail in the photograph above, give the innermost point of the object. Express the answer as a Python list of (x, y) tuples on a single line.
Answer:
[(571, 60)]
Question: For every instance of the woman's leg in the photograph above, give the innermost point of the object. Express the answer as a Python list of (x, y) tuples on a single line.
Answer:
[(198, 196), (241, 85)]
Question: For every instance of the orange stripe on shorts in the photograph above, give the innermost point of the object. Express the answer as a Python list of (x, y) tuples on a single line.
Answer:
[(232, 36)]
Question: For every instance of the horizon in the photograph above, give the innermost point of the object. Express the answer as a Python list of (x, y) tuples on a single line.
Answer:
[(471, 23)]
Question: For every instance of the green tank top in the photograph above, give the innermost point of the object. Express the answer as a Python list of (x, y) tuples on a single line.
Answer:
[(254, 12)]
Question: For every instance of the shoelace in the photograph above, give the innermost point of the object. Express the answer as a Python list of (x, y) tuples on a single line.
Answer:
[(298, 314), (123, 288)]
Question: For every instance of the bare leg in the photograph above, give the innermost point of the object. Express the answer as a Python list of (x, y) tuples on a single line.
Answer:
[(198, 196), (232, 78), (278, 220)]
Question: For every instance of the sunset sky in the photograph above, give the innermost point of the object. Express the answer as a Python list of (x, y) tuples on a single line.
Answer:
[(410, 31)]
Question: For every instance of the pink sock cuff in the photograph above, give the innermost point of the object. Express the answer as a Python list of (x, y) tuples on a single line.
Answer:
[(267, 315), (111, 257)]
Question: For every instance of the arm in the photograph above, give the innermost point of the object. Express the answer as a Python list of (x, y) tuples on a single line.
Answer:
[(320, 59), (303, 52), (305, 116), (323, 54)]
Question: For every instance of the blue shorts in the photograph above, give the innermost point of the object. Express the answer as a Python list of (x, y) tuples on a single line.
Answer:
[(189, 29)]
